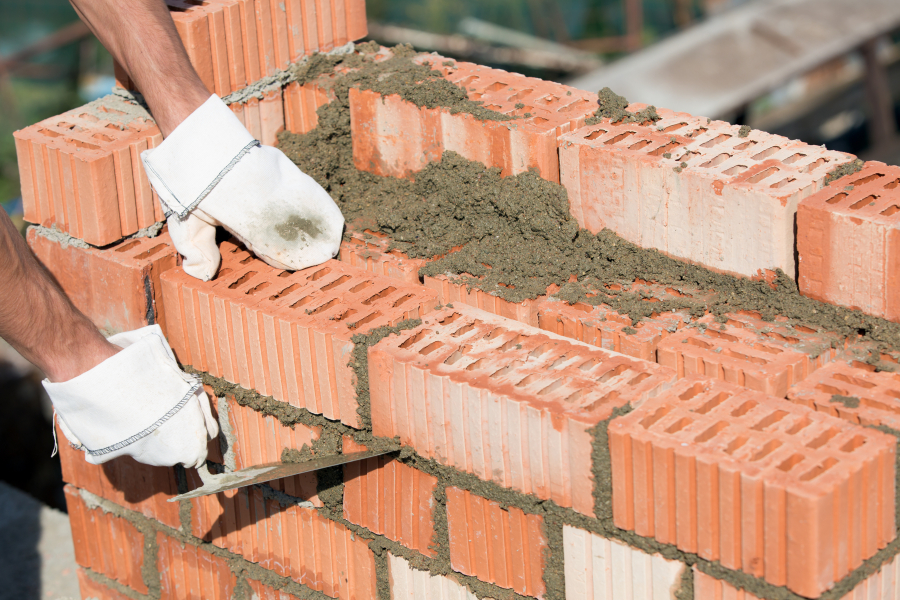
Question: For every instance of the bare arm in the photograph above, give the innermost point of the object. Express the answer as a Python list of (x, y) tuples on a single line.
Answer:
[(38, 320), (141, 36)]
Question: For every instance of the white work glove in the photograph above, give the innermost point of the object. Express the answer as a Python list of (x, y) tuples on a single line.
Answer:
[(210, 172), (138, 403)]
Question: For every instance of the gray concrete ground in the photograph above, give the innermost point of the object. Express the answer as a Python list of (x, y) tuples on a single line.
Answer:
[(37, 560)]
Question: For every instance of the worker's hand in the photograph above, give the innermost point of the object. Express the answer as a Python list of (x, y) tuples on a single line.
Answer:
[(210, 171), (139, 403)]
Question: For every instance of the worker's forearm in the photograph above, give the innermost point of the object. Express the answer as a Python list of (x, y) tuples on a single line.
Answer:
[(141, 36), (37, 319)]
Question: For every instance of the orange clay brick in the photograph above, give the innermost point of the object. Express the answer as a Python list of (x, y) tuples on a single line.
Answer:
[(762, 356), (707, 587), (187, 571), (730, 207), (604, 327), (286, 335), (507, 402), (848, 239), (757, 483), (392, 499), (855, 392), (458, 292), (105, 543), (393, 137), (370, 251), (293, 541), (81, 171), (94, 589), (300, 105), (504, 547), (117, 288), (262, 591), (263, 117), (192, 24)]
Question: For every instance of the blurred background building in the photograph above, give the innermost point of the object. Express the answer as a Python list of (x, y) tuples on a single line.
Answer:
[(823, 71)]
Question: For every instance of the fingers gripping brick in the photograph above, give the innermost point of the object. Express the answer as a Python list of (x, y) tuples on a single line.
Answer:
[(758, 483), (848, 239), (504, 401), (286, 335), (694, 189)]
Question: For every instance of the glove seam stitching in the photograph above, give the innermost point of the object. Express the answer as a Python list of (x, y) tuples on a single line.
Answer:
[(138, 436), (185, 210)]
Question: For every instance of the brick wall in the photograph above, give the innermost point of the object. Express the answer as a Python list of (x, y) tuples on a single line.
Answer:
[(542, 449)]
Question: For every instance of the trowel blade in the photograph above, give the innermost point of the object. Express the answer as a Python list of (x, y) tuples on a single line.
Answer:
[(272, 471)]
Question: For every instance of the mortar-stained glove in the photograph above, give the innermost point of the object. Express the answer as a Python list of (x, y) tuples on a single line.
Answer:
[(137, 402), (210, 172)]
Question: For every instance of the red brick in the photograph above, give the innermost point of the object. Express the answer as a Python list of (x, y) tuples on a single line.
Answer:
[(283, 334), (192, 24), (390, 498), (707, 587), (263, 117), (187, 571), (768, 357), (757, 483), (294, 541), (604, 327), (125, 482), (393, 137), (93, 589), (83, 174), (731, 208), (262, 591), (457, 291), (104, 543), (300, 105), (507, 402), (117, 288), (370, 252), (848, 239), (505, 547)]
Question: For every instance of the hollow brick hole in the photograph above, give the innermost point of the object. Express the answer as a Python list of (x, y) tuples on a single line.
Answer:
[(818, 470), (864, 202)]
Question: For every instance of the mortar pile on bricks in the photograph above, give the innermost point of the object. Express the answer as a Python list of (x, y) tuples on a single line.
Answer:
[(603, 369)]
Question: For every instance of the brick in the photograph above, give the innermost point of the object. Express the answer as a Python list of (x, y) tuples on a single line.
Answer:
[(848, 240), (83, 174), (124, 481), (597, 568), (504, 401), (411, 584), (293, 541), (758, 483), (604, 327), (187, 571), (117, 288), (94, 589), (869, 398), (105, 543), (262, 591), (504, 547), (286, 335), (765, 356), (730, 209), (371, 252), (300, 105), (707, 587), (390, 498), (392, 137), (263, 117), (457, 291)]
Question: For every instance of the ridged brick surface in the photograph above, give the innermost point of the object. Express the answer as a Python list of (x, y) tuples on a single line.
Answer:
[(300, 105), (450, 292), (262, 591), (848, 239), (730, 207), (507, 402), (855, 392), (188, 572), (707, 587), (764, 356), (93, 589), (758, 483), (411, 584), (390, 498), (396, 138), (293, 541), (370, 252), (84, 175), (600, 569), (105, 543), (263, 117), (117, 288), (505, 547), (284, 334), (604, 327)]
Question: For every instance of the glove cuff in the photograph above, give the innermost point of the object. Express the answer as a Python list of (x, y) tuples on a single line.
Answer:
[(94, 406), (189, 163)]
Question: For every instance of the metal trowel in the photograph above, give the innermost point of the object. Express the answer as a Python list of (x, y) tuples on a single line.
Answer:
[(213, 484)]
